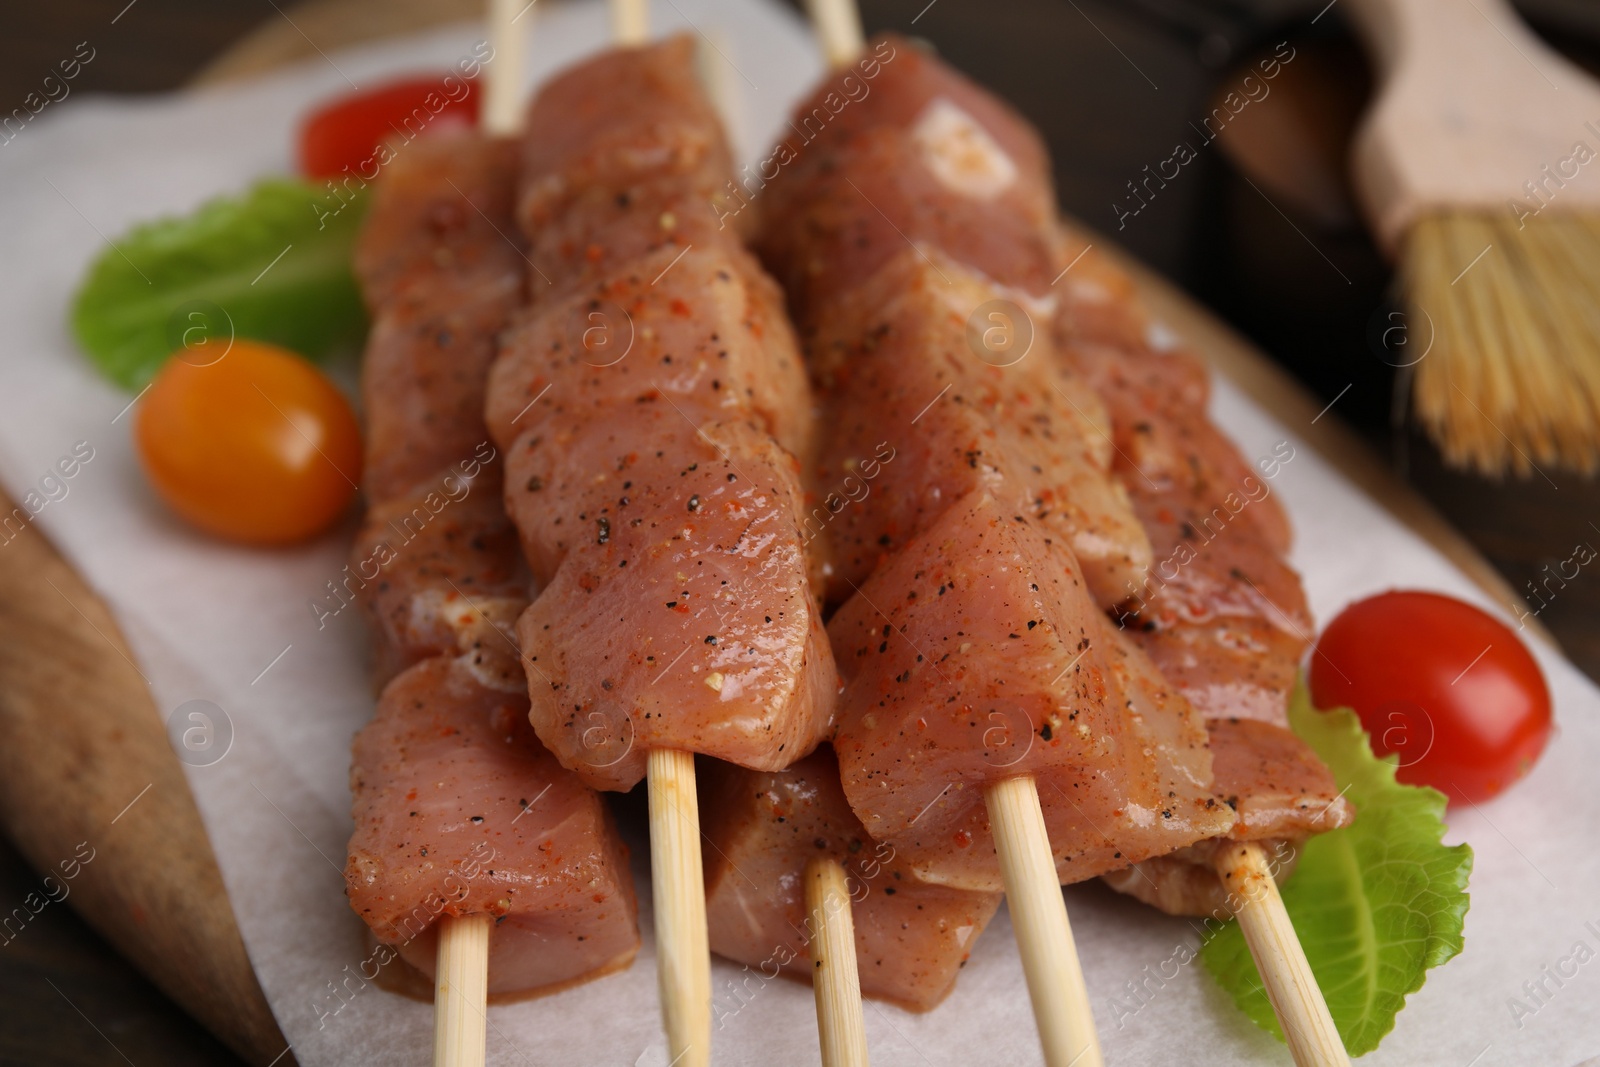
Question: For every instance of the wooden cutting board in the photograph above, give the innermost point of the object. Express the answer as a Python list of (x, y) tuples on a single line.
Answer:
[(84, 755)]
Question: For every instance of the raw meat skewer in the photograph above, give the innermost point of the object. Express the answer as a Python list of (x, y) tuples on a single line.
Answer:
[(992, 157), (650, 402), (475, 857), (1044, 934)]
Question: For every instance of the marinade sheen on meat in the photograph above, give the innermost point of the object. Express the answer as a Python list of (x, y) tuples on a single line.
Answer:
[(458, 809), (929, 162), (650, 402), (972, 638), (912, 937)]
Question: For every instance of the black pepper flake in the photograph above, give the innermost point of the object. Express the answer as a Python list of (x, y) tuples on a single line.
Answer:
[(603, 527), (1032, 623), (711, 639), (1045, 733), (694, 502), (535, 484)]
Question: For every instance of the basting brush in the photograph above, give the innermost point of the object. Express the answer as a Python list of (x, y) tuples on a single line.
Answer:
[(1479, 169)]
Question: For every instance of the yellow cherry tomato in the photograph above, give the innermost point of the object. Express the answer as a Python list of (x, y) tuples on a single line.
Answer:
[(249, 442)]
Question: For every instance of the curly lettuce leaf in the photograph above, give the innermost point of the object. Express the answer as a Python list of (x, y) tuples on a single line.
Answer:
[(273, 264), (1376, 904)]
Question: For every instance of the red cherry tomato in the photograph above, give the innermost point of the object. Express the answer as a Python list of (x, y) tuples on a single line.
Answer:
[(350, 133), (249, 442), (1447, 687)]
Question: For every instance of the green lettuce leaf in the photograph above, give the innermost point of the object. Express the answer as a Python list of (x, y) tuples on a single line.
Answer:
[(1376, 904), (218, 273)]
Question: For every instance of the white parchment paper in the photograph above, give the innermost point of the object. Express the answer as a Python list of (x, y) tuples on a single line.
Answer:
[(232, 626)]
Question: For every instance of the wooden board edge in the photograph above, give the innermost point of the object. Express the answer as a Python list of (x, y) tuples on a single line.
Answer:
[(86, 770)]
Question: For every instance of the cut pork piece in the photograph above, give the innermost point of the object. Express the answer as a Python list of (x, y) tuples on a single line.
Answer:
[(460, 811), (680, 615), (912, 937), (925, 157), (976, 655), (903, 371)]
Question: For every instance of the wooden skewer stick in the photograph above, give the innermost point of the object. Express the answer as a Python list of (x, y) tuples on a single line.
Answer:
[(678, 890), (1039, 916), (461, 991), (502, 105), (1296, 998), (834, 979), (630, 22), (461, 987), (838, 24)]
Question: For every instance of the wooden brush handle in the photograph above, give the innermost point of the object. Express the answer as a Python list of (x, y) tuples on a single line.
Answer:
[(1472, 106)]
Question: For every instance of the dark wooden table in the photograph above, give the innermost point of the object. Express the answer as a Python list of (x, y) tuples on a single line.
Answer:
[(1113, 85)]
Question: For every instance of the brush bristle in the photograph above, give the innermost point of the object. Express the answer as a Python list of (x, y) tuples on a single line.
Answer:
[(1511, 381)]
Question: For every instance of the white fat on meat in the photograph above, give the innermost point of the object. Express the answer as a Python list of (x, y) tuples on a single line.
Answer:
[(1161, 337), (485, 629), (960, 152)]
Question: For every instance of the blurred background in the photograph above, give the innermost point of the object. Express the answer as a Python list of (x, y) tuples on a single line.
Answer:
[(1260, 226)]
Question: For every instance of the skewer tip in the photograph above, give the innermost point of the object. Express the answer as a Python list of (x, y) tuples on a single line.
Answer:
[(1292, 988)]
